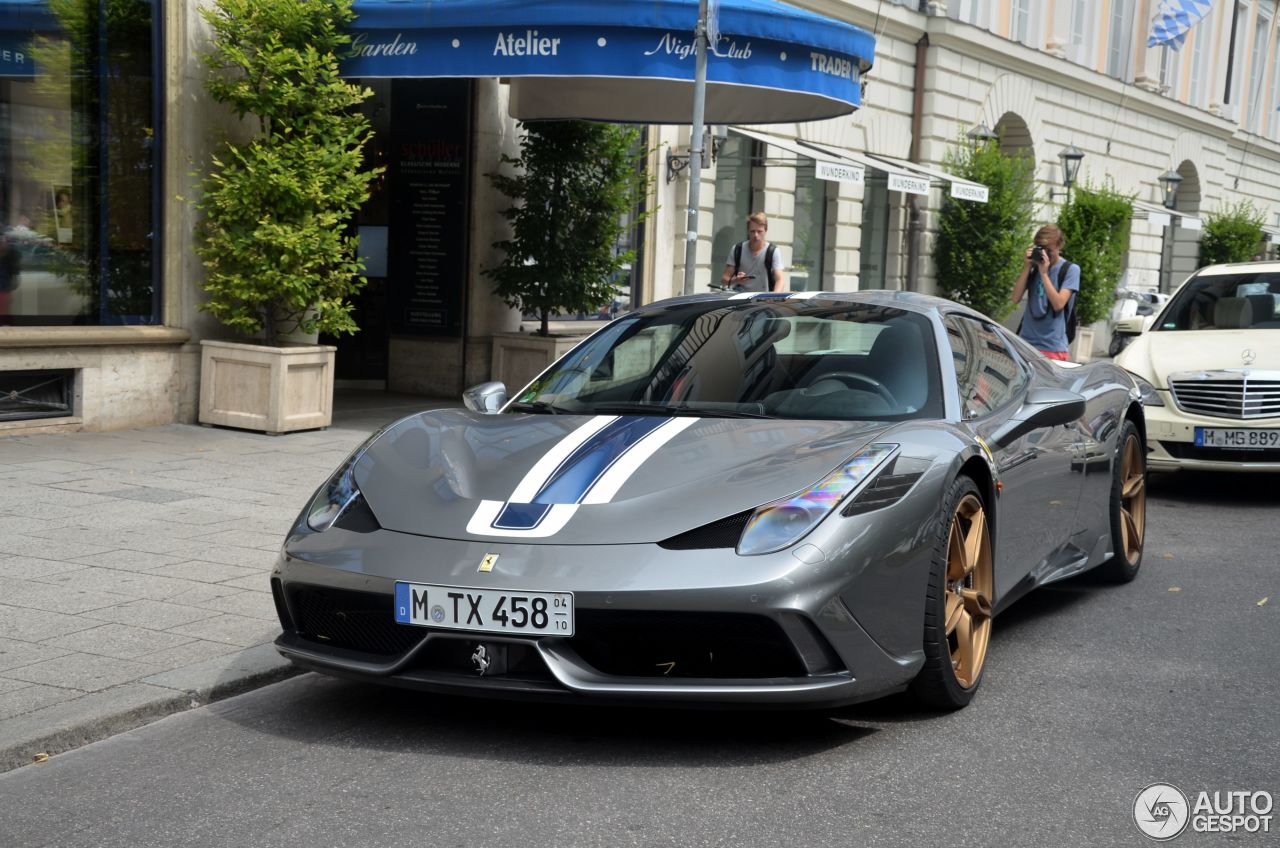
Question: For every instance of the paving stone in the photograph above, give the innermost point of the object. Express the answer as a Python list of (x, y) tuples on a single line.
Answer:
[(157, 615), (126, 560), (83, 672), (148, 494), (205, 572), (232, 629), (36, 625), (189, 653), (32, 697), (251, 604), (30, 594), (48, 548), (120, 641), (15, 653), (210, 675), (32, 568)]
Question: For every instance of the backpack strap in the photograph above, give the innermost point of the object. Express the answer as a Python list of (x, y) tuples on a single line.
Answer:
[(737, 257), (768, 266)]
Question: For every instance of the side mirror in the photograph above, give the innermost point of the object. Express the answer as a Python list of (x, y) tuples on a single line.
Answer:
[(486, 398), (1042, 408), (1135, 326)]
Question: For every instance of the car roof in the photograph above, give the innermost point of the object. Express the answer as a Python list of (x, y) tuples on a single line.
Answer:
[(1239, 268), (912, 301)]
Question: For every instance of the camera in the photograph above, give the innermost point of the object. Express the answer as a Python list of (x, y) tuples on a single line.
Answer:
[(1037, 254)]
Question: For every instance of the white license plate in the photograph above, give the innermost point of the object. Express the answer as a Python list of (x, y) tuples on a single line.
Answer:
[(1239, 438), (485, 610)]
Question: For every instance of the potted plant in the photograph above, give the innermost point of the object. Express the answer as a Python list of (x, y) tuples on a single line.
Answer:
[(979, 247), (1232, 233), (277, 204), (575, 187), (1095, 223)]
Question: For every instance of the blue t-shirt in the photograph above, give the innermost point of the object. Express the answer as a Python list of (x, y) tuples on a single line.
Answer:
[(1043, 328)]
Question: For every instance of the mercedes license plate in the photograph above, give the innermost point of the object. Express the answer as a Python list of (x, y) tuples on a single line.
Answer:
[(1239, 438), (485, 610)]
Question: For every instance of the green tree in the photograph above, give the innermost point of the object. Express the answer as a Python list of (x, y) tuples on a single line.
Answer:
[(574, 182), (979, 248), (1231, 234), (1095, 225), (275, 238)]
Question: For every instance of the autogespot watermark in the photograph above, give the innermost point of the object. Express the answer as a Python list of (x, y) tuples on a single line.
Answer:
[(1162, 811)]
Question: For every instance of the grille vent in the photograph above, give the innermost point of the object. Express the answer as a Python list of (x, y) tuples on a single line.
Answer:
[(1238, 397)]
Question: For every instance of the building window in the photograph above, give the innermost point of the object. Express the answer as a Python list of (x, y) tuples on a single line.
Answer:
[(1273, 108), (1021, 23), (733, 198), (1235, 87), (806, 271), (78, 147), (1080, 40), (1257, 69), (1169, 71), (1201, 36), (976, 12), (1120, 39)]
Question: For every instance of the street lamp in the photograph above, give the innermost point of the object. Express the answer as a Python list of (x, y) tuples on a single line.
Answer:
[(1070, 156), (981, 134), (1169, 182)]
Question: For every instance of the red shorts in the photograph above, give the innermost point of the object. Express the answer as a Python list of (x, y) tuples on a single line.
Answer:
[(1060, 355)]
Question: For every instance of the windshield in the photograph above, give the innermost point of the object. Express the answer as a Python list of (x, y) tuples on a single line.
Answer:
[(794, 359), (1248, 300)]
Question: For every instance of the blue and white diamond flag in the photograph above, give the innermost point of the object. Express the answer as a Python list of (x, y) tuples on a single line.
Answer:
[(1174, 20)]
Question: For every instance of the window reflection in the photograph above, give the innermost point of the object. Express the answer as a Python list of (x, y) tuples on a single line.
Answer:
[(76, 159)]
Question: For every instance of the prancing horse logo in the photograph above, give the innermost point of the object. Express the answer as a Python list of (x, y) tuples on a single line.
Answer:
[(481, 659), (486, 564)]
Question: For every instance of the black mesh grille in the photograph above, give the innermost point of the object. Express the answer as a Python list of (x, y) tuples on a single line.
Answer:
[(679, 644), (718, 534), (1186, 450), (357, 621), (887, 490)]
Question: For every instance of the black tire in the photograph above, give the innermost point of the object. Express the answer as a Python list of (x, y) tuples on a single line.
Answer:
[(947, 680), (1128, 507), (1117, 344)]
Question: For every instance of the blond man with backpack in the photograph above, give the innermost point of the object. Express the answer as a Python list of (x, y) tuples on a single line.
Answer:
[(755, 264)]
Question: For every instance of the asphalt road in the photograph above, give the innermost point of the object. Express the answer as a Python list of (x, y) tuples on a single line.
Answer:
[(1092, 693)]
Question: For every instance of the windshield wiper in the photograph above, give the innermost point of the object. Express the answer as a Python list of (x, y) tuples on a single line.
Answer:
[(672, 409), (539, 406)]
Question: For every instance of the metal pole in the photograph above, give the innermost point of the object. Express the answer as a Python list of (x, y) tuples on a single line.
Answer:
[(695, 147)]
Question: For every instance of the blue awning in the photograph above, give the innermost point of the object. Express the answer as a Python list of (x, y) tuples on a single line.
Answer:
[(622, 60)]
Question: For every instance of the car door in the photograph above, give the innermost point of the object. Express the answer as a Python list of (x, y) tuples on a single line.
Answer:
[(1038, 491)]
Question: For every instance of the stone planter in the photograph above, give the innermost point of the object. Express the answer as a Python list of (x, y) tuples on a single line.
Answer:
[(520, 357), (1082, 347), (265, 388)]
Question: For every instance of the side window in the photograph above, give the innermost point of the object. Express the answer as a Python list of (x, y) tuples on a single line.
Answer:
[(987, 373)]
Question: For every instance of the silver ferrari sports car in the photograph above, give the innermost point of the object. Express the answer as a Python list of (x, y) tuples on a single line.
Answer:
[(804, 499)]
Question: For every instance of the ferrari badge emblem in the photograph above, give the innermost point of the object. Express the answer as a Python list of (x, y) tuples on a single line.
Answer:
[(481, 659), (486, 564)]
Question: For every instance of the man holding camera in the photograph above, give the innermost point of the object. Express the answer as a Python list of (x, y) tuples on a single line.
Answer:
[(1049, 282)]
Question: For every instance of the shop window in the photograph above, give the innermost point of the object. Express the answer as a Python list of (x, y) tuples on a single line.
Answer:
[(733, 188), (78, 144), (806, 269), (875, 232)]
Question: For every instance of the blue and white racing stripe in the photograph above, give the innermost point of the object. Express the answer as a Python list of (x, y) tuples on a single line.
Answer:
[(588, 466)]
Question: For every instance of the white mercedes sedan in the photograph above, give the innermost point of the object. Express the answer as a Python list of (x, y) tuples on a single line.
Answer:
[(1209, 370)]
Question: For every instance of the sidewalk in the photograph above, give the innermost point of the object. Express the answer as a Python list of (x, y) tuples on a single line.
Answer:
[(133, 568)]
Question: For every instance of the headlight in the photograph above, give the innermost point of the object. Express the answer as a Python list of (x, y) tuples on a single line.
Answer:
[(1150, 397), (338, 493), (783, 523)]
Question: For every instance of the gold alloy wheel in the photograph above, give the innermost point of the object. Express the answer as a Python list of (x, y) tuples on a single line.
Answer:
[(968, 590), (1133, 500)]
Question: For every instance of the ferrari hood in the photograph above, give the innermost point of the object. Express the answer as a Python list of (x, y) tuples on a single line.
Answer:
[(1155, 355), (572, 479)]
